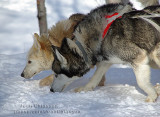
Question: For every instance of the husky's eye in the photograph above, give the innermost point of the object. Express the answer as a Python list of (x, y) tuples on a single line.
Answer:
[(29, 62)]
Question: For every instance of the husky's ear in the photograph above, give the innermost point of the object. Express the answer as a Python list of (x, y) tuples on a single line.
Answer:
[(54, 48), (36, 41), (72, 45), (60, 57)]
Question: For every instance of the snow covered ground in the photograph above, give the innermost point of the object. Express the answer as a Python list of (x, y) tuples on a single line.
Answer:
[(121, 96)]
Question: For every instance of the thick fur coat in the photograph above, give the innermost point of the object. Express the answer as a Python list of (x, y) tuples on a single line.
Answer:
[(129, 40)]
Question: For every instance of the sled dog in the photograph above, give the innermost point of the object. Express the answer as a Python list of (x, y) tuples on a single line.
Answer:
[(40, 56), (129, 40)]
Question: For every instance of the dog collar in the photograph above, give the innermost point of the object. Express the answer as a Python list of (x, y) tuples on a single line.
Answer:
[(110, 20), (82, 50)]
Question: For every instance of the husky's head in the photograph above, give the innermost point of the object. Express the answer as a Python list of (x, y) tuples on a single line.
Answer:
[(40, 57), (69, 60)]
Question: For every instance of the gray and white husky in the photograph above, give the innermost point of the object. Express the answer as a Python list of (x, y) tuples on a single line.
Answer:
[(130, 40)]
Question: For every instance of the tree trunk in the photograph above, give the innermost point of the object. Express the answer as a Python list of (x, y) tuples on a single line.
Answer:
[(42, 17)]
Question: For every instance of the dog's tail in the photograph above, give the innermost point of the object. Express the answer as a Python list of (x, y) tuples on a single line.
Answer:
[(155, 25)]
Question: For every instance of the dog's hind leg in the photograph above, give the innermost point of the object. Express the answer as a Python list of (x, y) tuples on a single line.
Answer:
[(101, 83), (157, 88), (153, 65), (155, 55), (142, 73), (102, 67)]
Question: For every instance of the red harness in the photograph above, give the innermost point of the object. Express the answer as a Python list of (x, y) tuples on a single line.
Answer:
[(109, 24)]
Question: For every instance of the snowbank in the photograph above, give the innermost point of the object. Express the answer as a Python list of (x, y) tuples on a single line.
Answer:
[(119, 98)]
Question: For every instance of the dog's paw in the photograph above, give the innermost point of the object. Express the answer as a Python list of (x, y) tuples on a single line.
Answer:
[(47, 81), (157, 88), (151, 98), (44, 83), (85, 89)]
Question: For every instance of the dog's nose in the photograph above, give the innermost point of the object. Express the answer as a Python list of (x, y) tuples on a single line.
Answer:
[(52, 90), (22, 74)]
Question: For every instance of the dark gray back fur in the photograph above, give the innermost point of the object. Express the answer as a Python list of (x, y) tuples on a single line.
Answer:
[(92, 26)]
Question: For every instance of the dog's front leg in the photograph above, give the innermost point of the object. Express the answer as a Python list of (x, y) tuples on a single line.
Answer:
[(47, 81), (102, 67)]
